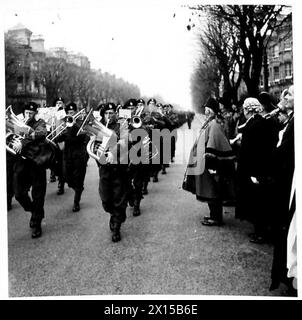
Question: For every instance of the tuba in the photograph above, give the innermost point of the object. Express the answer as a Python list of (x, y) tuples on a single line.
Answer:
[(16, 130), (101, 137)]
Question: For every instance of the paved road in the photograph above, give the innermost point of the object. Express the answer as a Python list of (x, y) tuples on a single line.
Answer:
[(165, 251)]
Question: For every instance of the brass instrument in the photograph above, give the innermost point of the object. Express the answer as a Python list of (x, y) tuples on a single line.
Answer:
[(16, 131), (101, 137), (68, 122), (136, 120)]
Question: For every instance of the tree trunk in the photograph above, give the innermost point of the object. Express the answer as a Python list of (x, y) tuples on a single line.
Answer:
[(265, 71)]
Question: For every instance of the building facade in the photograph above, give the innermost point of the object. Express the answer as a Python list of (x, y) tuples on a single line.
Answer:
[(27, 80), (280, 60), (27, 85)]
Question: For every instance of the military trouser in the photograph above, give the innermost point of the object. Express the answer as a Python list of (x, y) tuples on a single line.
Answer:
[(28, 175), (74, 174), (113, 191), (138, 177)]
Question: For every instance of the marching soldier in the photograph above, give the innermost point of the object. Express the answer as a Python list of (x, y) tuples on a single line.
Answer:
[(31, 173), (138, 173), (154, 120), (59, 103), (75, 156), (113, 176)]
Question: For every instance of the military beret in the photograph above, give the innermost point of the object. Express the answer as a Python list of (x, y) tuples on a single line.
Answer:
[(110, 106), (32, 106), (141, 101), (100, 106), (130, 103), (151, 100), (58, 99), (106, 107), (71, 106)]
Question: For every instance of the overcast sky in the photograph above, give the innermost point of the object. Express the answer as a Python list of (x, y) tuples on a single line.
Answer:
[(141, 41)]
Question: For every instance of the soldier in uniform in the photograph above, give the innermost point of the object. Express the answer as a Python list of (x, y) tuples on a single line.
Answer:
[(31, 173), (59, 103), (113, 176), (75, 156), (153, 119), (173, 118), (138, 173)]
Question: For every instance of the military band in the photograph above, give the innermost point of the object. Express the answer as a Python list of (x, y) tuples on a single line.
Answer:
[(77, 135)]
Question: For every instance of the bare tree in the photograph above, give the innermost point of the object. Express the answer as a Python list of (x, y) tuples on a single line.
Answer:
[(254, 25)]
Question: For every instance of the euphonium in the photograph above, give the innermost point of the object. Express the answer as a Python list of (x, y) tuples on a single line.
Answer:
[(16, 131), (101, 137)]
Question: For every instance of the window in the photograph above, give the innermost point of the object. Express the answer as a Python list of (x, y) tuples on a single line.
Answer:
[(276, 73), (288, 45), (276, 51), (20, 83), (34, 66), (288, 69)]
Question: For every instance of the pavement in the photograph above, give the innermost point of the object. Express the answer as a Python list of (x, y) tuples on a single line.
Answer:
[(165, 251)]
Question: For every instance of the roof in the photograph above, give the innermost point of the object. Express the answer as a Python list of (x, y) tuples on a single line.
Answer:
[(19, 26)]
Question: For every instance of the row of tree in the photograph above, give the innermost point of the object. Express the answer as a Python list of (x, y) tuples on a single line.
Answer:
[(85, 86), (234, 45)]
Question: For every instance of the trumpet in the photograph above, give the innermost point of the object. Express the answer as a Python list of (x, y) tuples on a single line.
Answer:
[(68, 122)]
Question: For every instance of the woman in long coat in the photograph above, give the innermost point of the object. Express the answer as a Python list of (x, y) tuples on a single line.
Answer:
[(254, 170), (210, 172)]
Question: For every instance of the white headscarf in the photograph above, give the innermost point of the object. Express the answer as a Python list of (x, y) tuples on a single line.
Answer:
[(252, 105)]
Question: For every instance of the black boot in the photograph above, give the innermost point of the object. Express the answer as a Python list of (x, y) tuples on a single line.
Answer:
[(145, 188), (76, 202), (36, 230), (155, 178), (60, 188), (76, 207), (116, 235), (136, 210), (52, 177)]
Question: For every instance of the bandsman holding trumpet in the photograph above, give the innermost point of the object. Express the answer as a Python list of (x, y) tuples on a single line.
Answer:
[(75, 156), (28, 173)]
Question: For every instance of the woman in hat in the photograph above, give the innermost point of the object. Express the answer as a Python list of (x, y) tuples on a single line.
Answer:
[(212, 179), (254, 170)]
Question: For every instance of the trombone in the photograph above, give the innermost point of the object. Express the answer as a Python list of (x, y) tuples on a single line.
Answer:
[(68, 122)]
